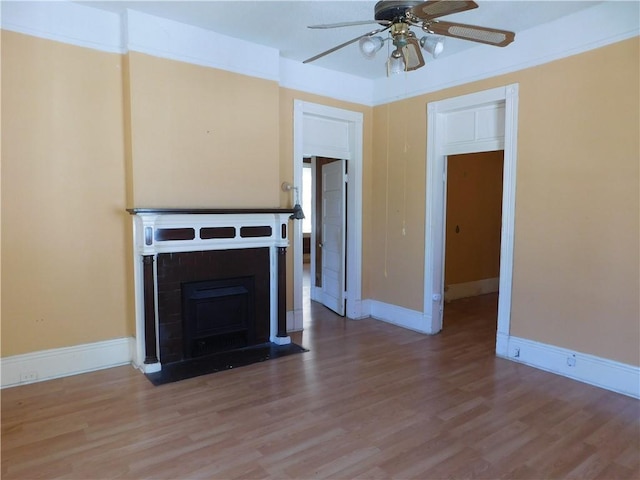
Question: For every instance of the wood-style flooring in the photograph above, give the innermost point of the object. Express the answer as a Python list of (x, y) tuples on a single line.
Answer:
[(369, 400)]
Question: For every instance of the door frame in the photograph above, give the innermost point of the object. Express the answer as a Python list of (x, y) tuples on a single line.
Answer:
[(438, 129), (342, 140)]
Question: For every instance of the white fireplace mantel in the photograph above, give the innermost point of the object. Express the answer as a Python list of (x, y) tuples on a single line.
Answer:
[(157, 231)]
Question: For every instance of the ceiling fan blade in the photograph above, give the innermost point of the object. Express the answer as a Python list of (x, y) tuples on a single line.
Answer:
[(413, 58), (439, 8), (490, 36), (349, 24), (349, 42)]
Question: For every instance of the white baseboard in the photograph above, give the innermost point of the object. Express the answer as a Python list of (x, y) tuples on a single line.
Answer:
[(403, 317), (471, 289), (597, 371), (502, 345), (295, 321), (281, 340), (601, 372), (358, 310), (62, 362)]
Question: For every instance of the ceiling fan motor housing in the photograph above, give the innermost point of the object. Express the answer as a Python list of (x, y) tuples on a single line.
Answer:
[(398, 16), (390, 10)]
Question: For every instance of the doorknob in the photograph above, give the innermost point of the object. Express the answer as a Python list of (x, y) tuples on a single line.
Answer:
[(320, 244)]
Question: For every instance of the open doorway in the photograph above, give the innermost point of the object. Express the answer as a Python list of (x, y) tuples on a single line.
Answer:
[(324, 232), (473, 219), (473, 224), (319, 130), (477, 122), (307, 230), (328, 233)]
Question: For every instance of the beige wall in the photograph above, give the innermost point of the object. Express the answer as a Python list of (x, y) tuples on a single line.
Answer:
[(63, 197), (576, 276), (576, 265), (94, 133), (474, 215), (396, 262), (201, 137), (86, 127)]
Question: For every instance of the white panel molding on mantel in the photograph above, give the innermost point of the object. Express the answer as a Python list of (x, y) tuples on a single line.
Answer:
[(603, 24)]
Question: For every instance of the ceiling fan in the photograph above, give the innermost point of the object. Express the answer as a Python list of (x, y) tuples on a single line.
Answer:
[(399, 16)]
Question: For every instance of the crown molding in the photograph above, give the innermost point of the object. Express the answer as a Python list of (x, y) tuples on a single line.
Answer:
[(178, 41), (64, 22), (68, 22), (328, 83)]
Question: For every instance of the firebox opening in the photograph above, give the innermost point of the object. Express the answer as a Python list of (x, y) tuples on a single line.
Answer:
[(218, 315)]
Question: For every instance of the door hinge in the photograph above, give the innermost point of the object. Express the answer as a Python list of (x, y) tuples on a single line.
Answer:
[(344, 295), (346, 178)]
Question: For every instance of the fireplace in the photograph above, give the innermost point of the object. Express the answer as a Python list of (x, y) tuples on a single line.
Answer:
[(207, 281), (211, 301), (218, 315)]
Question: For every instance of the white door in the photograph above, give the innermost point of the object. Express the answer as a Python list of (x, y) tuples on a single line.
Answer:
[(333, 236)]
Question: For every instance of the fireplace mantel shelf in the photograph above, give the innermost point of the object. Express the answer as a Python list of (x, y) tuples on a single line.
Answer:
[(206, 211)]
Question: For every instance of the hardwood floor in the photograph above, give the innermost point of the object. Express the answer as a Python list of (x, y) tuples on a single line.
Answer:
[(369, 400)]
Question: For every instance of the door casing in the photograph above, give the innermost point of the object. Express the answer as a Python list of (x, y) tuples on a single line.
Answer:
[(446, 120), (319, 130)]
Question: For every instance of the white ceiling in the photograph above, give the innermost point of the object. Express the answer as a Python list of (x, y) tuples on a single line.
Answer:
[(283, 24)]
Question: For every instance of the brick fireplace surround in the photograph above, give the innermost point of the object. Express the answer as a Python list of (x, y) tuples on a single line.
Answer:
[(187, 246)]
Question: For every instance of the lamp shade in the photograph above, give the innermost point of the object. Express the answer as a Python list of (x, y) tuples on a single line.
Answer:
[(432, 44), (370, 45), (395, 63), (297, 214)]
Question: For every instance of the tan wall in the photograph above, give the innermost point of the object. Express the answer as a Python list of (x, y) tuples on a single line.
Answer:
[(576, 276), (64, 254), (576, 265), (155, 132), (474, 215), (201, 137), (66, 175), (287, 98), (396, 261)]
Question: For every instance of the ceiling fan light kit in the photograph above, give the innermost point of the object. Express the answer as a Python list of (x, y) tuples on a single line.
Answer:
[(369, 46), (397, 17), (395, 63), (432, 44)]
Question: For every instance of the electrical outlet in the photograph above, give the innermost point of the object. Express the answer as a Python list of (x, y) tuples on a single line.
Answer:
[(516, 352), (28, 376), (571, 361)]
